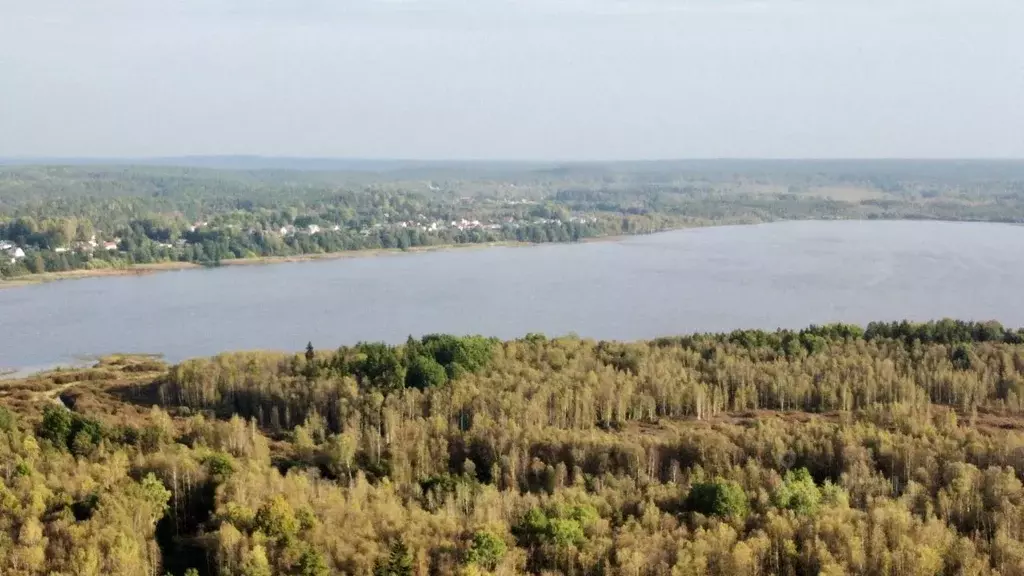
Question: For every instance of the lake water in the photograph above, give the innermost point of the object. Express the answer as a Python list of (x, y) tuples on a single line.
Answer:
[(712, 279)]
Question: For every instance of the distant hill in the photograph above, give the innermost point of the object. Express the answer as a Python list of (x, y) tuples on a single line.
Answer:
[(226, 163), (252, 163), (946, 170)]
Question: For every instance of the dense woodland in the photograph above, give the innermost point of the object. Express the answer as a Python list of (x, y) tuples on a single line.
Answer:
[(894, 449), (207, 215)]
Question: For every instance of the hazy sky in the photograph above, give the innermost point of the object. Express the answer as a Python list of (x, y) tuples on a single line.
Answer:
[(513, 79)]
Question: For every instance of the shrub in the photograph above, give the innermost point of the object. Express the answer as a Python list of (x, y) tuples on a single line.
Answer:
[(312, 563), (469, 353), (487, 550), (719, 498), (960, 356), (6, 420), (56, 426), (798, 493), (397, 563), (424, 372)]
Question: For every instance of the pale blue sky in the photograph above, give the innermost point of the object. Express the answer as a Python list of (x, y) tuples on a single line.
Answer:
[(528, 79)]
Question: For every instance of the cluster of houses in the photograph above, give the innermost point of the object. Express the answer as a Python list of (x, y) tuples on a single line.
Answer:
[(421, 223), (436, 226), (14, 253), (88, 246), (11, 251), (312, 229), (464, 224)]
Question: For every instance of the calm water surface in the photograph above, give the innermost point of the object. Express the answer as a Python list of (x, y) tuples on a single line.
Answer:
[(711, 279)]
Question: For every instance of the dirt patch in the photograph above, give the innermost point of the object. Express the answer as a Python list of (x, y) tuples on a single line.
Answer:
[(99, 389)]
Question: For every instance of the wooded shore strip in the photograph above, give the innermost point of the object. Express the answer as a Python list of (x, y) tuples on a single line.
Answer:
[(56, 219)]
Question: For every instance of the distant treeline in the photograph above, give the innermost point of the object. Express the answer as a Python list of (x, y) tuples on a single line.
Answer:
[(202, 215)]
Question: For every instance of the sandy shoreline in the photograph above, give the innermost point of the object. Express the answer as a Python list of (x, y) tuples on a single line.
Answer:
[(137, 270), (141, 269), (371, 253)]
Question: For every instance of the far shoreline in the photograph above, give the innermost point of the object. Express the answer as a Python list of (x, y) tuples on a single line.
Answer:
[(172, 266)]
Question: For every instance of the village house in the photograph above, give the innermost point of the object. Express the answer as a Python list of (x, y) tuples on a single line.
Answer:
[(110, 246), (313, 229), (464, 224), (5, 245), (15, 254)]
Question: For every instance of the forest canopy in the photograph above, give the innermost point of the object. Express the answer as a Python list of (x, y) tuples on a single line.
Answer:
[(895, 448)]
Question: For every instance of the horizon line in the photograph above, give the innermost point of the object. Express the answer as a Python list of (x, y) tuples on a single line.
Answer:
[(59, 158)]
